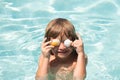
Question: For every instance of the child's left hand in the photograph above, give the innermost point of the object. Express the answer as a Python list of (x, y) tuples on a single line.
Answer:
[(78, 44)]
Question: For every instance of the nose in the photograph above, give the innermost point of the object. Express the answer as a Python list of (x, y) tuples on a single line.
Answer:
[(62, 46)]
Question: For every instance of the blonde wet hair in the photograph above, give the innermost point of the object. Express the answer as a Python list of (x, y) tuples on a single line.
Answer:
[(61, 27)]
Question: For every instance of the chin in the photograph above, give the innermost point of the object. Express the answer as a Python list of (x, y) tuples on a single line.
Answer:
[(62, 56)]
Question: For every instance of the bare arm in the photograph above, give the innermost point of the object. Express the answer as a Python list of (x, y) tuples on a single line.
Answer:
[(42, 68), (80, 68), (42, 71)]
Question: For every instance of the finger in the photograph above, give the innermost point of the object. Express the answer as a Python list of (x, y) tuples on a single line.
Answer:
[(47, 43), (44, 39), (73, 45), (49, 47), (44, 43), (78, 35)]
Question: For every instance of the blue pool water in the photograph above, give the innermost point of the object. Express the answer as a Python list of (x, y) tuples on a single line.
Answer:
[(22, 25)]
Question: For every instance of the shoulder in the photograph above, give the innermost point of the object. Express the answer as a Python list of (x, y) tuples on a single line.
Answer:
[(41, 58)]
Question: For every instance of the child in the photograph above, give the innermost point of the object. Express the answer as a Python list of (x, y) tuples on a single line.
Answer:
[(61, 61)]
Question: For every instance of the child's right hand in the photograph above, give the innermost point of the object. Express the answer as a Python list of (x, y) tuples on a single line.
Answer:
[(46, 47)]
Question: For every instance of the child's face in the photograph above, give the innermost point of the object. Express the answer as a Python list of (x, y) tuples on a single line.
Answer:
[(61, 51)]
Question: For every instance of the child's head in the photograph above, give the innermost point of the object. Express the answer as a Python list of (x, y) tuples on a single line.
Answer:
[(61, 29)]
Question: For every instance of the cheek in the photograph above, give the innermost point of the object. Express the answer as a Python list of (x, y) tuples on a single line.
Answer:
[(70, 49), (55, 50)]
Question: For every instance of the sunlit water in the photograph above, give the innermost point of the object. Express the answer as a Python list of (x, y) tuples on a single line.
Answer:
[(22, 25)]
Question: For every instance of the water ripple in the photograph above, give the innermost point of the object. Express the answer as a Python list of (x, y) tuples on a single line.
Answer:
[(22, 26)]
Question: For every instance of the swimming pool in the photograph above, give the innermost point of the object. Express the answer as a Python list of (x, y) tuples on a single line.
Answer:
[(22, 25)]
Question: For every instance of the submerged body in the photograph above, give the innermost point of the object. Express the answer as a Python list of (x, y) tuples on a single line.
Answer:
[(61, 62), (59, 70)]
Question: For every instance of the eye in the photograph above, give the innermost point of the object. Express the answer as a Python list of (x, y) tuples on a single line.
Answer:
[(67, 43)]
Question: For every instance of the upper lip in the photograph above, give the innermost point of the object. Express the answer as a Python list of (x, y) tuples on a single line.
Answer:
[(62, 51)]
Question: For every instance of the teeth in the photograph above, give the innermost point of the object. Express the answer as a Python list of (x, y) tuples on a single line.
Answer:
[(55, 42), (67, 43)]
